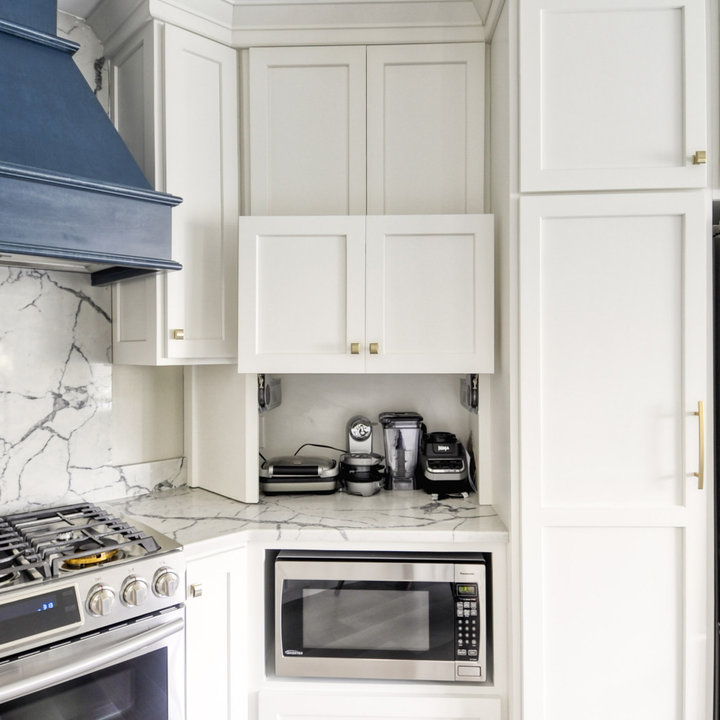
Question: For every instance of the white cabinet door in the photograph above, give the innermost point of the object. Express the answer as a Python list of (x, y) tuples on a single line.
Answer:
[(430, 293), (215, 670), (201, 159), (613, 362), (412, 114), (307, 706), (408, 293), (302, 294), (425, 128), (307, 131), (612, 94), (177, 110)]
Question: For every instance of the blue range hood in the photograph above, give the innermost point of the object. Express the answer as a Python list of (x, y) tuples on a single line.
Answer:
[(71, 195)]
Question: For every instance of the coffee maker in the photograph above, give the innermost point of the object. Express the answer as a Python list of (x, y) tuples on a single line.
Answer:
[(401, 435), (361, 470)]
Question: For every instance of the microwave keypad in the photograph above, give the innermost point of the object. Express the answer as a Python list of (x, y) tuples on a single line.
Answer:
[(467, 630)]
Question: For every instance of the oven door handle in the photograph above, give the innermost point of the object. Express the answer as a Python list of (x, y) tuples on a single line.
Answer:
[(92, 662)]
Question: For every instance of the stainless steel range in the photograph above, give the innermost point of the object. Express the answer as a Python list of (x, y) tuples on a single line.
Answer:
[(91, 617)]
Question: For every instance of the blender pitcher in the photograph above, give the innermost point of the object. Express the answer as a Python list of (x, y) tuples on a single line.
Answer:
[(401, 434)]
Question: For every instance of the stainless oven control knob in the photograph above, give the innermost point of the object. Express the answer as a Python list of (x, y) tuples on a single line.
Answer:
[(166, 582), (100, 600), (134, 592)]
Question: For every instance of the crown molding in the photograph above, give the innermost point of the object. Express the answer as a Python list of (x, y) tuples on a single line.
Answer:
[(248, 23)]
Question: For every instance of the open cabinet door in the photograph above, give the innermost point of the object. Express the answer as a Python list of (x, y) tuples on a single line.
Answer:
[(221, 431)]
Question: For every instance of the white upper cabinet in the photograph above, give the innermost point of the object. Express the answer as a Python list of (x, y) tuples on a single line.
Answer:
[(425, 129), (413, 115), (183, 129), (378, 294), (612, 94)]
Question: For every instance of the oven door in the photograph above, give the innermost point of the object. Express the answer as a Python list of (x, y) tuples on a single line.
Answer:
[(130, 672), (383, 620)]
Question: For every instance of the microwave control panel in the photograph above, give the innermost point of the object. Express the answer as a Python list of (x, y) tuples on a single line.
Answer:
[(467, 629)]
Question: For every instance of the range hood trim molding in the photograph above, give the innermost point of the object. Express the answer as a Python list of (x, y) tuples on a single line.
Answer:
[(22, 31), (25, 172)]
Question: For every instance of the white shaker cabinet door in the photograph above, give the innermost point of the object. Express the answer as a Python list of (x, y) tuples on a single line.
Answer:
[(430, 293), (307, 131), (425, 128), (302, 294), (216, 672), (175, 104), (612, 94), (201, 146), (613, 363)]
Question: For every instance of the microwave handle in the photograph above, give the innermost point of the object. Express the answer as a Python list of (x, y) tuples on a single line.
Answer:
[(27, 685)]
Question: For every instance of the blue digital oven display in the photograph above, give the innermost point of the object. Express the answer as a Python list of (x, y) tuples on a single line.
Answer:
[(38, 614)]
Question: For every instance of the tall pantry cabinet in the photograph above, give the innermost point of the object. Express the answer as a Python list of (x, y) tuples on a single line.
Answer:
[(612, 360)]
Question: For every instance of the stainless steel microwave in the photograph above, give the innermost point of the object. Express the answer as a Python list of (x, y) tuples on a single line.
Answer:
[(382, 616)]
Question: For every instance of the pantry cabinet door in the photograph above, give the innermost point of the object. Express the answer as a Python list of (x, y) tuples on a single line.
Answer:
[(201, 148), (425, 127), (612, 94), (307, 131), (613, 362), (302, 294), (430, 294)]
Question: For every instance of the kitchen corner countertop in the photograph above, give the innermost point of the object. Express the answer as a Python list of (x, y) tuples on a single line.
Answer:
[(191, 515)]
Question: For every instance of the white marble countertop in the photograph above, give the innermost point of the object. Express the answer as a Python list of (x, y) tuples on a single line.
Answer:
[(192, 515)]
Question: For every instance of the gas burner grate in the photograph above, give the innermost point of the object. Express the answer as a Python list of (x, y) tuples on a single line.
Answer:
[(43, 543), (18, 560)]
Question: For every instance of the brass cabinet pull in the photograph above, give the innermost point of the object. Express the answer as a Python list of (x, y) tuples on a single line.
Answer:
[(374, 348), (700, 157), (178, 334), (700, 474), (355, 348)]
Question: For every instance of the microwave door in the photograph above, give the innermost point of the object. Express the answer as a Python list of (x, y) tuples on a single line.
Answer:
[(368, 619)]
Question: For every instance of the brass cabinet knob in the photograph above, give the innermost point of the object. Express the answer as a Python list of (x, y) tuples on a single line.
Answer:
[(355, 348), (700, 157), (374, 348), (178, 334)]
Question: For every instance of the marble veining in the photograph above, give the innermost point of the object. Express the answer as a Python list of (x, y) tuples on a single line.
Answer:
[(191, 515), (56, 395)]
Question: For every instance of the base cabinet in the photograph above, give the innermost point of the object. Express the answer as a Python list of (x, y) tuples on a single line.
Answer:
[(336, 706), (215, 669)]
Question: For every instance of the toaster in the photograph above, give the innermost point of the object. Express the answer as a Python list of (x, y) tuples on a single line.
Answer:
[(299, 474)]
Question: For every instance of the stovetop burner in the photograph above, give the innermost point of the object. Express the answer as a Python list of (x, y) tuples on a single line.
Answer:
[(78, 569), (42, 544)]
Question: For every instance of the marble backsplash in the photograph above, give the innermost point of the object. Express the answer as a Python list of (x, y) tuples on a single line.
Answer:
[(56, 396)]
